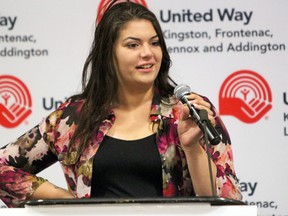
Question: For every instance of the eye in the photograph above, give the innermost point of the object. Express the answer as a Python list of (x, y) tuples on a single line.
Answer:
[(132, 45), (155, 43)]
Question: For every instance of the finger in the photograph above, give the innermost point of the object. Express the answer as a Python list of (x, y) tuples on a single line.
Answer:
[(212, 120), (192, 96), (196, 99), (203, 107), (184, 112), (200, 104)]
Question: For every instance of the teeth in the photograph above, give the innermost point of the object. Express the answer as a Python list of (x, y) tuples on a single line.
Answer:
[(145, 66)]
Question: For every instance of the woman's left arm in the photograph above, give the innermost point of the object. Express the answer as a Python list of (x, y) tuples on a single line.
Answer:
[(222, 164)]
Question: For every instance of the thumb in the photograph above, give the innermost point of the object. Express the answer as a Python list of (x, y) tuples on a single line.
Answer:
[(184, 112)]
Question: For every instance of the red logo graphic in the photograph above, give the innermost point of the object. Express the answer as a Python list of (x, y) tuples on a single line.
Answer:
[(105, 3), (246, 95), (15, 101)]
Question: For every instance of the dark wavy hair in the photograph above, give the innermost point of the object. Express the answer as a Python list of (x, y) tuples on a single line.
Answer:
[(99, 80)]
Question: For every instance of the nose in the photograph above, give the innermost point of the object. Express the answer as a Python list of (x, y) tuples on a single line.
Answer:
[(146, 51)]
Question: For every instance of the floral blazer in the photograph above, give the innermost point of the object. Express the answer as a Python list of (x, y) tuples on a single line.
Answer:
[(47, 143)]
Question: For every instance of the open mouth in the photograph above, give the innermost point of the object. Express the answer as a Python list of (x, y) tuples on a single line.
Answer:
[(144, 66)]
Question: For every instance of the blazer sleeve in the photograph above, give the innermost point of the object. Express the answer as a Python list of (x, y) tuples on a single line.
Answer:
[(23, 159), (227, 183)]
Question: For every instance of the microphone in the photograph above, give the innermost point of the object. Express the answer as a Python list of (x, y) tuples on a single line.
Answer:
[(181, 91)]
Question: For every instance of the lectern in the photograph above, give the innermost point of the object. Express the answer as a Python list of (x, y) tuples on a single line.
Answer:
[(200, 206)]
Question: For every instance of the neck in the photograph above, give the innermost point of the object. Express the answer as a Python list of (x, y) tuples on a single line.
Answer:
[(131, 98)]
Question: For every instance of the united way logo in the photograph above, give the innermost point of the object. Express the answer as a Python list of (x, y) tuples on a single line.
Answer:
[(15, 101), (245, 95), (105, 3)]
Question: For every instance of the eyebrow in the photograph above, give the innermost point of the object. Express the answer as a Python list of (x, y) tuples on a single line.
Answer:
[(138, 39)]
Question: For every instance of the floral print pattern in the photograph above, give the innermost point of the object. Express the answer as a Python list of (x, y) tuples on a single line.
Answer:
[(47, 143)]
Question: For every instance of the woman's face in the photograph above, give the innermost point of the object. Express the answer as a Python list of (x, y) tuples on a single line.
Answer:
[(138, 54)]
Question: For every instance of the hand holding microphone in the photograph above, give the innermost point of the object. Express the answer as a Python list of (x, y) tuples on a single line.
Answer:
[(182, 93)]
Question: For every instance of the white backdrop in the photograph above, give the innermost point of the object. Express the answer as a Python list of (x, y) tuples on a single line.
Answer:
[(43, 45)]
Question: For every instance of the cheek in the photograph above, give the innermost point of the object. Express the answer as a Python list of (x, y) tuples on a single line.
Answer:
[(119, 60), (159, 59), (125, 66), (130, 61), (126, 63), (159, 56)]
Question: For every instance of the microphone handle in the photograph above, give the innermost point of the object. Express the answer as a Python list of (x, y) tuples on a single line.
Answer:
[(204, 119), (213, 135)]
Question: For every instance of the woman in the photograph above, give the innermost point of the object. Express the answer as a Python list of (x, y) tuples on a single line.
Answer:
[(125, 135)]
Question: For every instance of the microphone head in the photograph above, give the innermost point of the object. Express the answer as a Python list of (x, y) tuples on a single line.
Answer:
[(181, 90)]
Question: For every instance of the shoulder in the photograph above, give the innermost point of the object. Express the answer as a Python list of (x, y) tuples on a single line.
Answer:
[(63, 121), (69, 111)]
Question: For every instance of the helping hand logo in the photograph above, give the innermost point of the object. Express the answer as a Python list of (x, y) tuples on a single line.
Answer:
[(246, 95), (15, 101)]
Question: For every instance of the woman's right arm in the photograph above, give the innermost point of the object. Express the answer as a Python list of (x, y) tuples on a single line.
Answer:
[(48, 190), (34, 151), (20, 161)]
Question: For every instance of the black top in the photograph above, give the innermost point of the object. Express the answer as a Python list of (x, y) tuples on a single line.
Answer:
[(127, 169)]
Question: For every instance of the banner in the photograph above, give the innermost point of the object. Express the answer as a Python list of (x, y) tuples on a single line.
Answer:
[(233, 52)]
